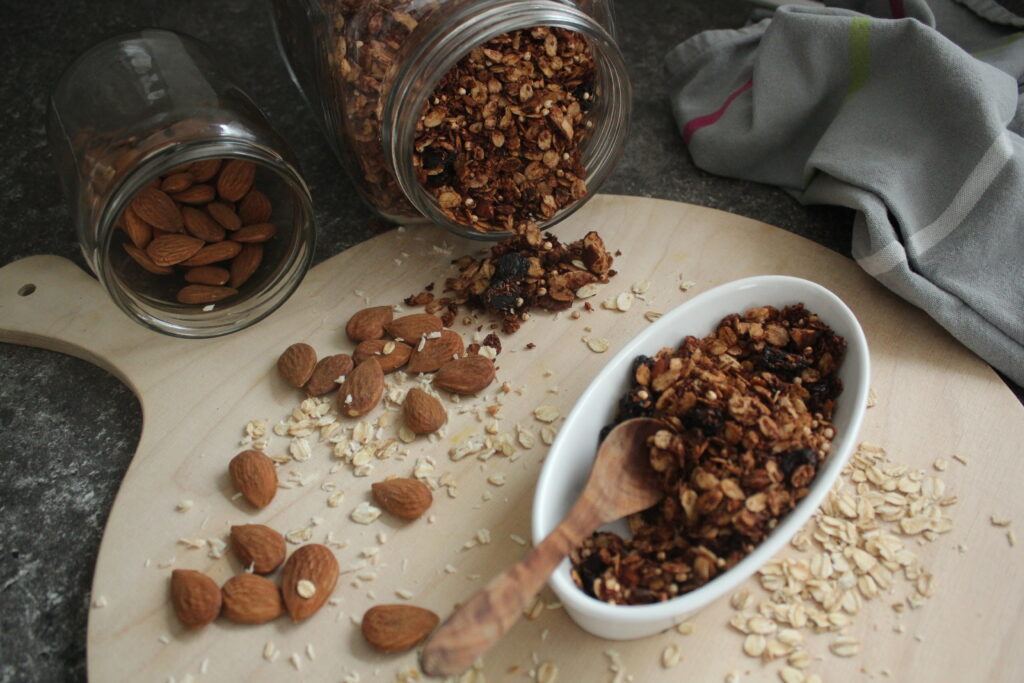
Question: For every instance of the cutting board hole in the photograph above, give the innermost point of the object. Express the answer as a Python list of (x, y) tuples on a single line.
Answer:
[(25, 290)]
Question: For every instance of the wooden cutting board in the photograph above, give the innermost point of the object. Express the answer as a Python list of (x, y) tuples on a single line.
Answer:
[(935, 398)]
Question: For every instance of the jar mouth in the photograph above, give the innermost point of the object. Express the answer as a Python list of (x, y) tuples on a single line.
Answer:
[(469, 27), (254, 302)]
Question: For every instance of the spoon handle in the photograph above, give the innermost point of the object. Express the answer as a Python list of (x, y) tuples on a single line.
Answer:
[(481, 621)]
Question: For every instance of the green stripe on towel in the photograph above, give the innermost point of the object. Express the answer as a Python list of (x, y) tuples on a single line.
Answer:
[(860, 53)]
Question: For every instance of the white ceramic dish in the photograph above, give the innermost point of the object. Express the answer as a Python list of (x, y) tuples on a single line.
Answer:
[(569, 460)]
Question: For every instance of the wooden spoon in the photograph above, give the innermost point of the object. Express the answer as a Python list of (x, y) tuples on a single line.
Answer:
[(620, 484)]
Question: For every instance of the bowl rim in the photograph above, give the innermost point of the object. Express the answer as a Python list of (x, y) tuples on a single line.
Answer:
[(572, 596)]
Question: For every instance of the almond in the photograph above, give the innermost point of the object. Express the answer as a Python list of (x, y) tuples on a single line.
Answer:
[(207, 275), (255, 208), (254, 475), (246, 263), (411, 327), (204, 294), (430, 354), (396, 628), (235, 180), (405, 498), (168, 250), (197, 194), (296, 364), (195, 597), (176, 182), (200, 224), (390, 354), (139, 231), (466, 375), (147, 263), (362, 389), (225, 215), (327, 370), (423, 413), (157, 209), (214, 253), (251, 599), (368, 323), (259, 232), (258, 546), (203, 171), (316, 564)]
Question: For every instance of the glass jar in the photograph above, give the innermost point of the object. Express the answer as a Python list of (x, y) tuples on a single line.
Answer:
[(371, 70), (139, 108)]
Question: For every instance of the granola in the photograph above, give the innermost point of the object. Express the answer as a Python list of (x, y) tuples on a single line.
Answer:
[(747, 413)]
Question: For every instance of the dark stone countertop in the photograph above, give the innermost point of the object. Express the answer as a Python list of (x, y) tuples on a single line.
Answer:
[(71, 429)]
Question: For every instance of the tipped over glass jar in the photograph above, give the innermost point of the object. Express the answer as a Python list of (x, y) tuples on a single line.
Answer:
[(478, 115)]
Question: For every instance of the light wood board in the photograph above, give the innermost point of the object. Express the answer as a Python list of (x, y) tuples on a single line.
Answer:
[(935, 398)]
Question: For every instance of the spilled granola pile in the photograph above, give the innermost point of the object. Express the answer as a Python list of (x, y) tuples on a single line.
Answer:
[(747, 413)]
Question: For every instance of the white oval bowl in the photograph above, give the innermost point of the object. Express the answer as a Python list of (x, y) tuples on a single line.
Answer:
[(571, 455)]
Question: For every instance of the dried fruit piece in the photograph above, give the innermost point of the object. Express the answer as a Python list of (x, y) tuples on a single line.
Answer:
[(203, 171), (327, 370), (314, 563), (168, 250), (466, 375), (207, 275), (411, 328), (296, 364), (204, 294), (390, 354), (235, 181), (255, 477), (213, 253), (433, 352), (362, 389), (258, 546), (251, 599), (368, 323), (224, 215), (195, 597), (157, 209), (143, 260), (245, 263), (255, 208), (405, 498), (260, 232), (396, 628), (197, 194), (423, 413), (200, 224)]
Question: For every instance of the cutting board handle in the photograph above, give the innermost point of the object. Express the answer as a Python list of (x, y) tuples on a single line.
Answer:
[(49, 302)]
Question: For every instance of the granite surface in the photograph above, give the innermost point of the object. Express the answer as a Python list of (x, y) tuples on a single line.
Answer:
[(69, 428)]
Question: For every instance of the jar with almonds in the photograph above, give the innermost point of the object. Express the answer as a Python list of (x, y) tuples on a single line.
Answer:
[(479, 115), (188, 206)]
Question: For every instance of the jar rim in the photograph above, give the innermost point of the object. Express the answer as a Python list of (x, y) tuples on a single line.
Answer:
[(184, 321), (471, 26)]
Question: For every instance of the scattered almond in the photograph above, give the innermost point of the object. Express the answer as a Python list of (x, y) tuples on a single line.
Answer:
[(296, 364), (368, 323), (327, 370), (466, 375), (314, 563), (362, 389), (423, 413), (396, 628), (430, 354), (411, 328), (251, 599), (405, 498), (255, 477), (195, 597), (258, 546), (390, 354)]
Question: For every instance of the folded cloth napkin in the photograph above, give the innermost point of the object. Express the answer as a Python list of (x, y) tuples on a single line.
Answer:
[(906, 112)]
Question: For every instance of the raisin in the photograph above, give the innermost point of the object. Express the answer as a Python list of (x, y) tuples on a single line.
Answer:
[(435, 158), (791, 460), (637, 362), (777, 361), (584, 94), (630, 407), (603, 434), (510, 266), (708, 420)]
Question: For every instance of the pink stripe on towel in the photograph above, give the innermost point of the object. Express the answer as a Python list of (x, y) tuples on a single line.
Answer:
[(696, 124)]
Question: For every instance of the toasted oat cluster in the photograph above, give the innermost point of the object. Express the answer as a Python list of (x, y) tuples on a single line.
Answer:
[(499, 142), (530, 269), (747, 413)]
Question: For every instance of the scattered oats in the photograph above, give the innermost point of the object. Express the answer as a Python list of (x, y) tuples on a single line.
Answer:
[(525, 437), (517, 539), (872, 398), (899, 628), (607, 304), (306, 588), (962, 459), (597, 344), (310, 652), (296, 661), (624, 301), (999, 521), (496, 479), (741, 600), (670, 656), (754, 645), (334, 500), (382, 537), (365, 513), (651, 316), (732, 677), (431, 519), (99, 602), (641, 287), (790, 675), (184, 505), (534, 609), (844, 646), (686, 284), (483, 536), (547, 672), (685, 628), (164, 639), (940, 464), (1011, 538), (586, 291), (449, 569), (547, 413), (204, 666), (404, 593), (488, 352)]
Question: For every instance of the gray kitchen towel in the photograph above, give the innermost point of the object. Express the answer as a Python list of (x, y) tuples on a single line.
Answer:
[(889, 117)]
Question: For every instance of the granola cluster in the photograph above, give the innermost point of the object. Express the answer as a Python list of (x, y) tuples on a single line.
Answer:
[(499, 142), (527, 270), (747, 413)]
